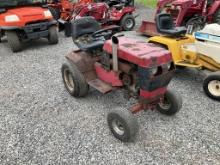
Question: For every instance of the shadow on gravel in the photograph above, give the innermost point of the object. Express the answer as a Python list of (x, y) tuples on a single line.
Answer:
[(33, 44)]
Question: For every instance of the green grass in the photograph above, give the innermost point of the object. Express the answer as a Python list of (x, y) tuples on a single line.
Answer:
[(148, 3)]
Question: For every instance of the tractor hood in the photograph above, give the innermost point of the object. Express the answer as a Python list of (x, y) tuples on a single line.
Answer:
[(24, 15), (140, 52)]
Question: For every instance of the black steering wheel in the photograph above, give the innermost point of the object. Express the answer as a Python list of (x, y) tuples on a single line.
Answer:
[(106, 32)]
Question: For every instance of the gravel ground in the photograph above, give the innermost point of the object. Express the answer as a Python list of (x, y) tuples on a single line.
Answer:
[(40, 123)]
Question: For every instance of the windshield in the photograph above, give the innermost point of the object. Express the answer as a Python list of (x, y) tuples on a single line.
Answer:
[(14, 3)]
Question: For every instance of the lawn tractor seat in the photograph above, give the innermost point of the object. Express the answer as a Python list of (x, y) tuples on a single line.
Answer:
[(165, 25), (88, 35), (82, 30)]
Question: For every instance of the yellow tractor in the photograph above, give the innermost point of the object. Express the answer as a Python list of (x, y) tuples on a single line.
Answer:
[(200, 51)]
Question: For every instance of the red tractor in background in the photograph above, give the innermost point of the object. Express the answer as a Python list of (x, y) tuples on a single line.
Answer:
[(111, 13), (190, 13), (22, 20), (62, 11)]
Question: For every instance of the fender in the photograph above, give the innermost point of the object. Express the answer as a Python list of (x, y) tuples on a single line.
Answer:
[(215, 6), (84, 62), (52, 22)]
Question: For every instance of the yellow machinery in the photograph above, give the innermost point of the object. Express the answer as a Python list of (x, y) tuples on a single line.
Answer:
[(201, 51)]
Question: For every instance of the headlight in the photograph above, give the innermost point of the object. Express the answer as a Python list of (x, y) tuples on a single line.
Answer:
[(47, 14), (153, 71), (11, 18)]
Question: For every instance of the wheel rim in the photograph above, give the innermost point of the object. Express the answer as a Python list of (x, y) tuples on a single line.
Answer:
[(68, 78), (165, 105), (129, 23), (214, 87), (118, 127)]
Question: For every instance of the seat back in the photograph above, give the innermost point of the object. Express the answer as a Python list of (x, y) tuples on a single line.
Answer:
[(84, 25), (165, 25), (164, 22)]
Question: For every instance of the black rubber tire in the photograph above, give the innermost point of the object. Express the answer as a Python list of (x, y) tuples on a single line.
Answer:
[(208, 79), (127, 122), (53, 35), (68, 29), (14, 41), (123, 22), (216, 18), (1, 35), (175, 101), (197, 24), (55, 12), (81, 87)]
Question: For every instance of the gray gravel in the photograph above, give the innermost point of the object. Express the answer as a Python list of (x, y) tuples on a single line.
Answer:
[(40, 123)]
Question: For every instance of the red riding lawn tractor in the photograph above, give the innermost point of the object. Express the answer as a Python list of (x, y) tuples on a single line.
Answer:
[(62, 11), (141, 69), (22, 21), (120, 13), (190, 13)]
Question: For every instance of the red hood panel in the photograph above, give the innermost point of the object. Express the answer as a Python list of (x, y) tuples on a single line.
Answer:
[(139, 52), (27, 11)]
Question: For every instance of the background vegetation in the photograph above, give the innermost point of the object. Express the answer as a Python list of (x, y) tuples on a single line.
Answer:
[(147, 3)]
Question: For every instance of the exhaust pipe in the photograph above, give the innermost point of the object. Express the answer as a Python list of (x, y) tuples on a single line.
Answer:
[(115, 43)]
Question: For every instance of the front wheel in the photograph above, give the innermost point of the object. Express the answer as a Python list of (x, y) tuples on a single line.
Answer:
[(128, 22), (53, 35), (171, 104), (211, 86), (1, 35), (14, 41), (122, 124)]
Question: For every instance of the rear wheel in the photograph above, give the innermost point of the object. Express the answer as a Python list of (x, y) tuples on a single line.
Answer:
[(216, 18), (196, 23), (128, 22), (211, 86), (74, 80), (53, 35), (14, 41), (67, 29), (1, 35), (122, 124), (171, 104)]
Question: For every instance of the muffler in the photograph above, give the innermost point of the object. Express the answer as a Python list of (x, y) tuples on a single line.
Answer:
[(115, 43)]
